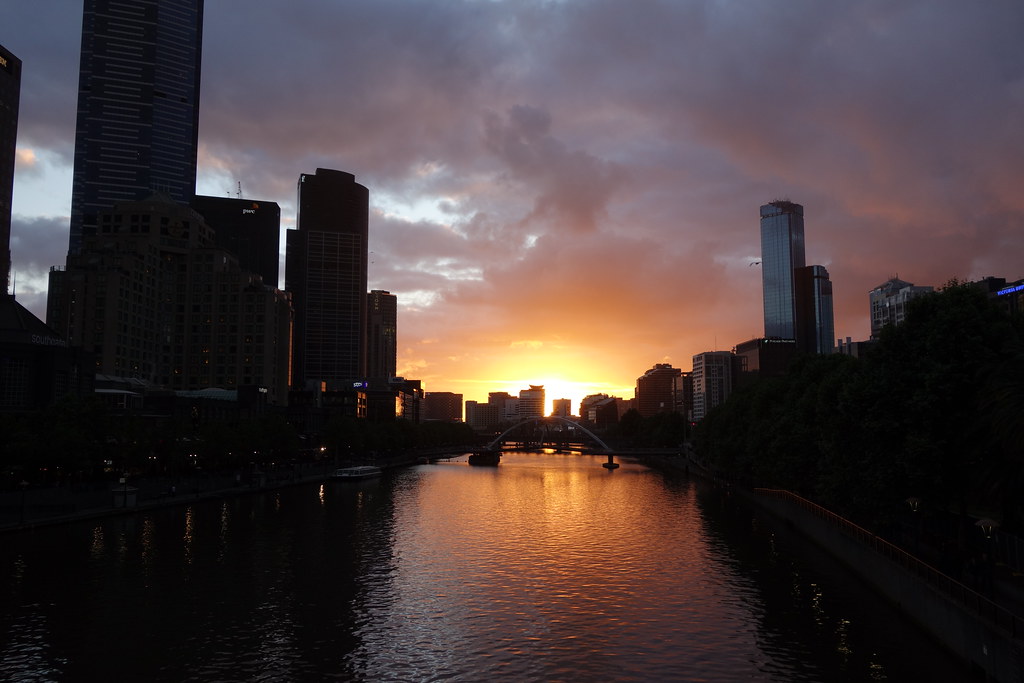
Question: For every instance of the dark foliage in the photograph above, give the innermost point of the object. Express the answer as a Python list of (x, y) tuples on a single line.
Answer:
[(934, 411)]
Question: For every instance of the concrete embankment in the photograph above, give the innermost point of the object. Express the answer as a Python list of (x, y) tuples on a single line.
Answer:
[(985, 633)]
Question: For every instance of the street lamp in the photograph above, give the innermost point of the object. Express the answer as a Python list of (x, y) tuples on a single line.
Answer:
[(987, 526)]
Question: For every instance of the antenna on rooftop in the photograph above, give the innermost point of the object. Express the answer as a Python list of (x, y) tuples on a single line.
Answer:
[(239, 189)]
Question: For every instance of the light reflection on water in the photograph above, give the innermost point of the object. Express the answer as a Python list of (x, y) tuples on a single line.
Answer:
[(548, 567)]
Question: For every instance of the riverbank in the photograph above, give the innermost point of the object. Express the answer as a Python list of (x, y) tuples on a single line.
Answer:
[(986, 631), (53, 505)]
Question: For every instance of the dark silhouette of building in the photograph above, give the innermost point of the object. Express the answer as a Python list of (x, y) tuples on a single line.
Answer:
[(10, 94), (153, 297), (248, 228), (762, 357), (442, 405), (138, 106), (815, 326), (656, 390), (325, 271), (382, 334)]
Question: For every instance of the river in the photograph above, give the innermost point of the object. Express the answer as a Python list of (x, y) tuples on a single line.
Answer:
[(546, 568)]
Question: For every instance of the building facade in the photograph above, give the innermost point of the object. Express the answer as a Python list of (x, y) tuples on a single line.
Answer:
[(10, 95), (656, 390), (442, 406), (561, 407), (152, 297), (248, 228), (137, 128), (815, 320), (712, 381), (531, 402), (381, 334), (326, 273), (889, 302), (782, 252)]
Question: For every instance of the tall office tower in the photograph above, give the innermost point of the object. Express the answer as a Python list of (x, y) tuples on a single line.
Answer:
[(531, 402), (655, 390), (10, 94), (248, 228), (889, 303), (382, 334), (138, 106), (325, 270), (712, 381), (782, 252), (815, 325)]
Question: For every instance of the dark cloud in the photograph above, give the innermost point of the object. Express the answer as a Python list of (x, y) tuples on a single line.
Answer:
[(576, 183)]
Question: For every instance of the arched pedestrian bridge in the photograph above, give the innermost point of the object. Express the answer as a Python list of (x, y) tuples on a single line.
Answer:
[(543, 423)]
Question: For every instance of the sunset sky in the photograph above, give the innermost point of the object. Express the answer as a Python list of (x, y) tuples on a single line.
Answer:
[(566, 192)]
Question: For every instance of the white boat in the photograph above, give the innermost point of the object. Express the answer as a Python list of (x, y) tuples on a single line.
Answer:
[(358, 472)]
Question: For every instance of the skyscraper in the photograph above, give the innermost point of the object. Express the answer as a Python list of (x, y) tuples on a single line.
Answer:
[(382, 332), (138, 106), (655, 390), (10, 94), (782, 252), (325, 270)]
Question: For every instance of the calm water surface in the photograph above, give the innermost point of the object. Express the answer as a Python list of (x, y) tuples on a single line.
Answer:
[(546, 568)]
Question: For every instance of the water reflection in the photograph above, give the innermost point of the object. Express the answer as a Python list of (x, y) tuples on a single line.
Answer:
[(544, 568)]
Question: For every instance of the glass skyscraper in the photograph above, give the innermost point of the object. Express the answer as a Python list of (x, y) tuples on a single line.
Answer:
[(138, 106), (325, 270), (782, 252), (815, 326)]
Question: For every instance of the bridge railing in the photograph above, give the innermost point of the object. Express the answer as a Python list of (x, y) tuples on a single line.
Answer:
[(966, 597)]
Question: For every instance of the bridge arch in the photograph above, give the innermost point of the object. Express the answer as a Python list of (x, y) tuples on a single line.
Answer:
[(538, 420)]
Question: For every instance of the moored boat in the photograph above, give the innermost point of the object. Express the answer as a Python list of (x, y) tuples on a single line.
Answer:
[(357, 472), (489, 457)]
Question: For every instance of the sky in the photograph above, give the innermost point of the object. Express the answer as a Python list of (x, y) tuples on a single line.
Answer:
[(566, 192)]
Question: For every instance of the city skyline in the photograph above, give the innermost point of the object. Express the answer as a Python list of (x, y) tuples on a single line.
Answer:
[(574, 203)]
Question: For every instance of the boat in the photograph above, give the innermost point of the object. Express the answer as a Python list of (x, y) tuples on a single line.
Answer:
[(357, 472), (489, 457)]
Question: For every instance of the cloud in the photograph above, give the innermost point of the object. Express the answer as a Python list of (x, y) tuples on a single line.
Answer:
[(586, 175)]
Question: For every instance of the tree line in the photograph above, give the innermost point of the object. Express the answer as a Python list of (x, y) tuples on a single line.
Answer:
[(934, 412)]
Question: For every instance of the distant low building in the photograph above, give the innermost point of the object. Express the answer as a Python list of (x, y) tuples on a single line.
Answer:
[(656, 390), (889, 303), (442, 406), (712, 381), (37, 367)]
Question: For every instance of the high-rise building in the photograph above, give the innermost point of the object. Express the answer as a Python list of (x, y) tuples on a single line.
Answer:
[(712, 381), (382, 334), (655, 390), (889, 303), (154, 299), (782, 252), (137, 129), (815, 324), (325, 271), (797, 297), (248, 228), (531, 402), (10, 94)]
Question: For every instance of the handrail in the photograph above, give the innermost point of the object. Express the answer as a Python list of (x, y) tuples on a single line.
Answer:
[(953, 589)]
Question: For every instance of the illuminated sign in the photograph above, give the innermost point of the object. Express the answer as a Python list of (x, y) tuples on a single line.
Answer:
[(1010, 290), (3, 61)]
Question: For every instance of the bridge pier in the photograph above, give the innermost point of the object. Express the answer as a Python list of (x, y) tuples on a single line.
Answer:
[(611, 464)]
